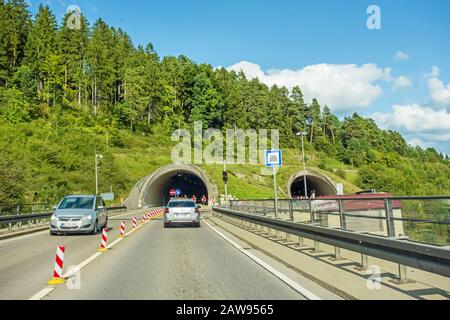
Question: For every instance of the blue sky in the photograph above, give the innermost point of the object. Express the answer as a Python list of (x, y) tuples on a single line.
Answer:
[(324, 46)]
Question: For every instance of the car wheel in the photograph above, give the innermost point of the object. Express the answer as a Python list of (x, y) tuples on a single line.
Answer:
[(166, 224), (197, 224), (52, 233), (94, 230)]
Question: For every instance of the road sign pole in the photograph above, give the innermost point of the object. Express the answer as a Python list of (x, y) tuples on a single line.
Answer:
[(275, 190), (225, 184)]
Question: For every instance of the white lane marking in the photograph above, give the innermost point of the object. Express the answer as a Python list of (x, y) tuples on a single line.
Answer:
[(41, 294), (291, 283)]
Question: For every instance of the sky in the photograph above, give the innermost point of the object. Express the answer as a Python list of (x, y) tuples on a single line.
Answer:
[(397, 73)]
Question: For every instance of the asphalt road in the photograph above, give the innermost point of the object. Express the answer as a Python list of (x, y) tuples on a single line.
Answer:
[(26, 262), (175, 263)]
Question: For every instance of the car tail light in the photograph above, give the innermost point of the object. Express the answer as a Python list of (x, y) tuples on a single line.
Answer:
[(166, 210)]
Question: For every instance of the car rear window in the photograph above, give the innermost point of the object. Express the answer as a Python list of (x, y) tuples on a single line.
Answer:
[(181, 204), (77, 203)]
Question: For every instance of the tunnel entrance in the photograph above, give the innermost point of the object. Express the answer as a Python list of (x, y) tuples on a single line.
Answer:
[(316, 184), (153, 190), (190, 185)]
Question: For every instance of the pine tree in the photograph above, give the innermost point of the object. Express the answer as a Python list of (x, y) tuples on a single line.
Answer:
[(4, 40), (315, 119), (101, 65), (41, 48), (72, 43), (20, 24)]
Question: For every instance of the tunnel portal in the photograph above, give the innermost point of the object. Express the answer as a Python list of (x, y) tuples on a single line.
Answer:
[(316, 184), (153, 190)]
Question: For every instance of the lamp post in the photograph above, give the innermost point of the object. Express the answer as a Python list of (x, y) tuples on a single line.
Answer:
[(303, 134), (97, 158)]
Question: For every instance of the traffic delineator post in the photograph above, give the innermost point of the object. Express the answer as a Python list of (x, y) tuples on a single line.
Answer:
[(104, 240), (57, 270), (134, 223), (122, 229)]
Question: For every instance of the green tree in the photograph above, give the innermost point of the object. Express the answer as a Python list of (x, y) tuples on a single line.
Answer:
[(72, 43), (40, 49)]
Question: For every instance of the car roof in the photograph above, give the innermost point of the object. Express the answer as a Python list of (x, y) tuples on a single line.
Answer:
[(180, 200), (81, 196)]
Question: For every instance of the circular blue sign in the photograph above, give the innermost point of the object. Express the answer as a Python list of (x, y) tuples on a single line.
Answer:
[(178, 191)]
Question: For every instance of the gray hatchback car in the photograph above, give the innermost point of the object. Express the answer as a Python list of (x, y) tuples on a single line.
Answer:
[(79, 214), (182, 211)]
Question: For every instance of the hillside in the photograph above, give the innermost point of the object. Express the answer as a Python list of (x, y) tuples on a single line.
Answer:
[(61, 101)]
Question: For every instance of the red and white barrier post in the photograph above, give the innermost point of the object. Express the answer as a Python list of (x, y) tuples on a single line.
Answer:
[(142, 220), (104, 240), (122, 229), (134, 223), (58, 268)]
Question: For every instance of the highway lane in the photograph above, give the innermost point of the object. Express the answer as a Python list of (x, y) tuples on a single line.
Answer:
[(175, 263), (26, 263)]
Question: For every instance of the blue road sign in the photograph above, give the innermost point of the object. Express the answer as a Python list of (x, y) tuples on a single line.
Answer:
[(178, 192), (274, 158)]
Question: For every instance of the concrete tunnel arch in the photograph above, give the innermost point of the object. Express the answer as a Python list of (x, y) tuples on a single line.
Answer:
[(321, 184), (153, 190)]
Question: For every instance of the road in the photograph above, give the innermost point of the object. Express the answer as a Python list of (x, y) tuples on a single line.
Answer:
[(26, 262), (151, 263)]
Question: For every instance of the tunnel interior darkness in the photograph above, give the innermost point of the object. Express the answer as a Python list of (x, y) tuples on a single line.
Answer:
[(189, 184), (314, 185)]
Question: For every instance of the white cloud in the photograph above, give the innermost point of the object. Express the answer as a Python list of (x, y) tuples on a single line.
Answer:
[(439, 93), (342, 87), (401, 56), (420, 125), (402, 82), (434, 72)]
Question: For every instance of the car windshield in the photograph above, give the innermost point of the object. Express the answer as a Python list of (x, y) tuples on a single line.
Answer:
[(77, 203), (182, 204)]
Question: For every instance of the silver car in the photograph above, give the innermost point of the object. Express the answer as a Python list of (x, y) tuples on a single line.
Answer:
[(181, 211), (79, 214)]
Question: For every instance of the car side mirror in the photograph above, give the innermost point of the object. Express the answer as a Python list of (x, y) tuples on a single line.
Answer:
[(199, 206), (55, 207), (101, 208)]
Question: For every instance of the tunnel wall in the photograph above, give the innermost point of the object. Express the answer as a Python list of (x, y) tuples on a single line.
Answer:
[(148, 189), (325, 183)]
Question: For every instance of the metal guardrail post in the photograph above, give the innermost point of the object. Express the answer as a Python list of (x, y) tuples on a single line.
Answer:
[(316, 247), (311, 212), (364, 263), (291, 211), (342, 215), (402, 275), (389, 218), (300, 241), (275, 209), (337, 254)]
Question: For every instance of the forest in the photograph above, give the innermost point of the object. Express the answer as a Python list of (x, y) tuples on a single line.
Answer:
[(93, 76)]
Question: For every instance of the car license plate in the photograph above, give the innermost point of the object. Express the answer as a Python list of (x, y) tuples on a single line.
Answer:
[(69, 225)]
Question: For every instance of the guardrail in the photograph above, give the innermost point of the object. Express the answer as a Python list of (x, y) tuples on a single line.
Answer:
[(38, 218), (421, 219), (388, 245)]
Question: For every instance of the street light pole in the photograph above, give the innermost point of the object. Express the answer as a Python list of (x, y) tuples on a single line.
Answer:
[(302, 134), (97, 157)]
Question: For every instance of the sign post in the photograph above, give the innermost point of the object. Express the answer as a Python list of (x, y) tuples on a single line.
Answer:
[(225, 181), (274, 159)]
